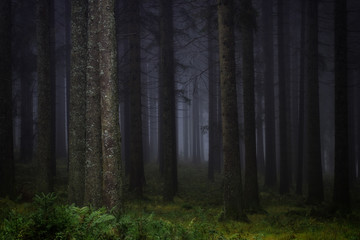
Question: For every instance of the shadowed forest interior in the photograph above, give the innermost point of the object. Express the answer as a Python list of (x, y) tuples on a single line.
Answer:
[(171, 119)]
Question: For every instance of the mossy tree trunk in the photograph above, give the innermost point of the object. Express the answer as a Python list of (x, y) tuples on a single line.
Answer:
[(93, 154), (251, 191), (77, 111), (233, 202), (110, 125), (167, 101), (43, 151), (341, 197), (6, 127), (268, 48), (315, 181), (137, 176)]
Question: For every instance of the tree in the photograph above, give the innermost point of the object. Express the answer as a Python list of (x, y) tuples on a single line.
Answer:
[(45, 132), (77, 104), (233, 203), (341, 197), (167, 101), (300, 160), (7, 177), (137, 176), (284, 177), (110, 125), (270, 146), (93, 154), (315, 182), (212, 77), (248, 22)]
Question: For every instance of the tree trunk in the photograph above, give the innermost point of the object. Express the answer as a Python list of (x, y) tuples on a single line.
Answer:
[(300, 156), (233, 204), (93, 154), (167, 99), (212, 93), (251, 191), (315, 182), (137, 176), (270, 148), (45, 132), (110, 128), (77, 102), (341, 197), (7, 175), (284, 177)]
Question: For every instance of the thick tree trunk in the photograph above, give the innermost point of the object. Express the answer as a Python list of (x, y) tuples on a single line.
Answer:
[(7, 175), (77, 102), (315, 181), (93, 154), (233, 204), (137, 176), (251, 191), (341, 197), (110, 128), (167, 99), (45, 132), (270, 148)]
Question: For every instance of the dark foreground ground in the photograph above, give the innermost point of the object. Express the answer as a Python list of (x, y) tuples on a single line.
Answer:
[(194, 214)]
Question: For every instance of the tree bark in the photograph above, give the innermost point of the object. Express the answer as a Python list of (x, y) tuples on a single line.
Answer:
[(251, 191), (93, 154), (167, 101), (233, 203), (137, 176), (284, 181), (341, 197), (110, 128), (268, 43), (315, 181), (45, 132), (77, 102), (7, 174), (300, 156)]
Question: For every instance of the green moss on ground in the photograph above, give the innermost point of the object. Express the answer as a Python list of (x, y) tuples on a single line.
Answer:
[(194, 214)]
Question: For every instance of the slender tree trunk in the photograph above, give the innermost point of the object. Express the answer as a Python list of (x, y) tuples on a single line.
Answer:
[(27, 134), (270, 148), (93, 154), (315, 182), (300, 156), (77, 102), (284, 181), (7, 174), (43, 151), (196, 125), (251, 191), (53, 85), (137, 176), (212, 94), (167, 99), (233, 204), (341, 197)]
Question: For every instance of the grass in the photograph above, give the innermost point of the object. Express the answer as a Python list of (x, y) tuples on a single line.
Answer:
[(194, 214)]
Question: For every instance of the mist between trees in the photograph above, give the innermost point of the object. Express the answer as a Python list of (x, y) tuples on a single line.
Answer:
[(263, 92)]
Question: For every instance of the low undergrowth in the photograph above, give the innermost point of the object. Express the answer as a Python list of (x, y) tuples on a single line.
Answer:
[(194, 214)]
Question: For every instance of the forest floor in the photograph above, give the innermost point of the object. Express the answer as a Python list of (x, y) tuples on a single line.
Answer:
[(194, 213)]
